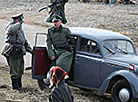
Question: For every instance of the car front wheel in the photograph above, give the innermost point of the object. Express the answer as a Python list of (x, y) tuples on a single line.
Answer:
[(43, 84), (121, 92)]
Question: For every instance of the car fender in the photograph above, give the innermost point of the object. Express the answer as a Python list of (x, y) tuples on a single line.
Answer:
[(131, 77)]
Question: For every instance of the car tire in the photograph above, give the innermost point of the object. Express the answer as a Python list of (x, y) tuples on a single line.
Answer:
[(42, 84), (120, 91)]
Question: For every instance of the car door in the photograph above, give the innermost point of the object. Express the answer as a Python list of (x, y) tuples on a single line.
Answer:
[(87, 63), (40, 61)]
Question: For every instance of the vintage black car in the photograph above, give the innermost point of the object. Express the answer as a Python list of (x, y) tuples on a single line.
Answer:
[(105, 61)]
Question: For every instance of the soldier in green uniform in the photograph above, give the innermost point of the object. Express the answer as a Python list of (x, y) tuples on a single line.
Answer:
[(59, 39), (57, 7), (18, 45)]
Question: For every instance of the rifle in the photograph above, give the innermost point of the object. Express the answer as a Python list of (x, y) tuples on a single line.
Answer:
[(45, 7), (52, 4)]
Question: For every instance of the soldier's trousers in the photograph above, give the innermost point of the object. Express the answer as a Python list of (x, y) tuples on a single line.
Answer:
[(16, 66), (64, 59)]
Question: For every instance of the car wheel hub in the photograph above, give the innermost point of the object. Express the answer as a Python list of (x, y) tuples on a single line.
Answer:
[(124, 95), (46, 81)]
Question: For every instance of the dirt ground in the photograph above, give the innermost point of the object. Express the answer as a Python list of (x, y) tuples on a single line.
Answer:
[(32, 93), (116, 17)]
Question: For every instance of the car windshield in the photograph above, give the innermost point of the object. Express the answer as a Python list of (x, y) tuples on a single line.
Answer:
[(117, 46)]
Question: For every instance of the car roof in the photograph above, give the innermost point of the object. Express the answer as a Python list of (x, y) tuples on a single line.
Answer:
[(96, 34)]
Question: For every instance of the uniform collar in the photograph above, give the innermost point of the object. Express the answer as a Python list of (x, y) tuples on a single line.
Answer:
[(59, 30)]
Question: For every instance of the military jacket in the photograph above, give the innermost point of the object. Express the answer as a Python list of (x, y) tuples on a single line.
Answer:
[(57, 38), (15, 34)]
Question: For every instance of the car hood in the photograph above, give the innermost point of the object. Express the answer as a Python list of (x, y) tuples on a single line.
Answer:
[(131, 59)]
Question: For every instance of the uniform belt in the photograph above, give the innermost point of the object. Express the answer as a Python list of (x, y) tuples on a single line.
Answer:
[(65, 47), (14, 43), (17, 44), (60, 48)]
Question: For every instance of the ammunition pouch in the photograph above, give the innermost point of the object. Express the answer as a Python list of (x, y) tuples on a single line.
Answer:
[(17, 51)]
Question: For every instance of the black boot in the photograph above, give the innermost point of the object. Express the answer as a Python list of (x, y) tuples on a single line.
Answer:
[(15, 84), (127, 2), (20, 82)]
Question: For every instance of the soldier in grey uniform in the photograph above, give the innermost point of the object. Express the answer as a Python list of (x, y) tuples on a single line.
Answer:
[(59, 39), (15, 38), (57, 7)]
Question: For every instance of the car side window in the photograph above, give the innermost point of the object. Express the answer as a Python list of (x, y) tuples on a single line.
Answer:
[(94, 48), (90, 46), (84, 45)]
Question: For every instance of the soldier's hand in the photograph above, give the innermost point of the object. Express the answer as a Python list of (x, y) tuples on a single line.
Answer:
[(73, 46), (52, 57)]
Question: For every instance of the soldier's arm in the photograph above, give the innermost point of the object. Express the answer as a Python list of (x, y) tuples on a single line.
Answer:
[(49, 46), (28, 47), (14, 27), (70, 37)]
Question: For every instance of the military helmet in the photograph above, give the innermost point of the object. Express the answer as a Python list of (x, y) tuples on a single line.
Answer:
[(17, 16), (56, 18)]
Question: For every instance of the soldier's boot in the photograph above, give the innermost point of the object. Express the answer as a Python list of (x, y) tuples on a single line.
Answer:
[(20, 82), (15, 84), (127, 2)]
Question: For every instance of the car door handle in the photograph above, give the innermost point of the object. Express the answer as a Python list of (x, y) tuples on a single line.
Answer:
[(77, 59), (42, 54)]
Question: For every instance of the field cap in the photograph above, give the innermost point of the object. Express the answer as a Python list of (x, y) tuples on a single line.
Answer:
[(56, 18), (20, 15)]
